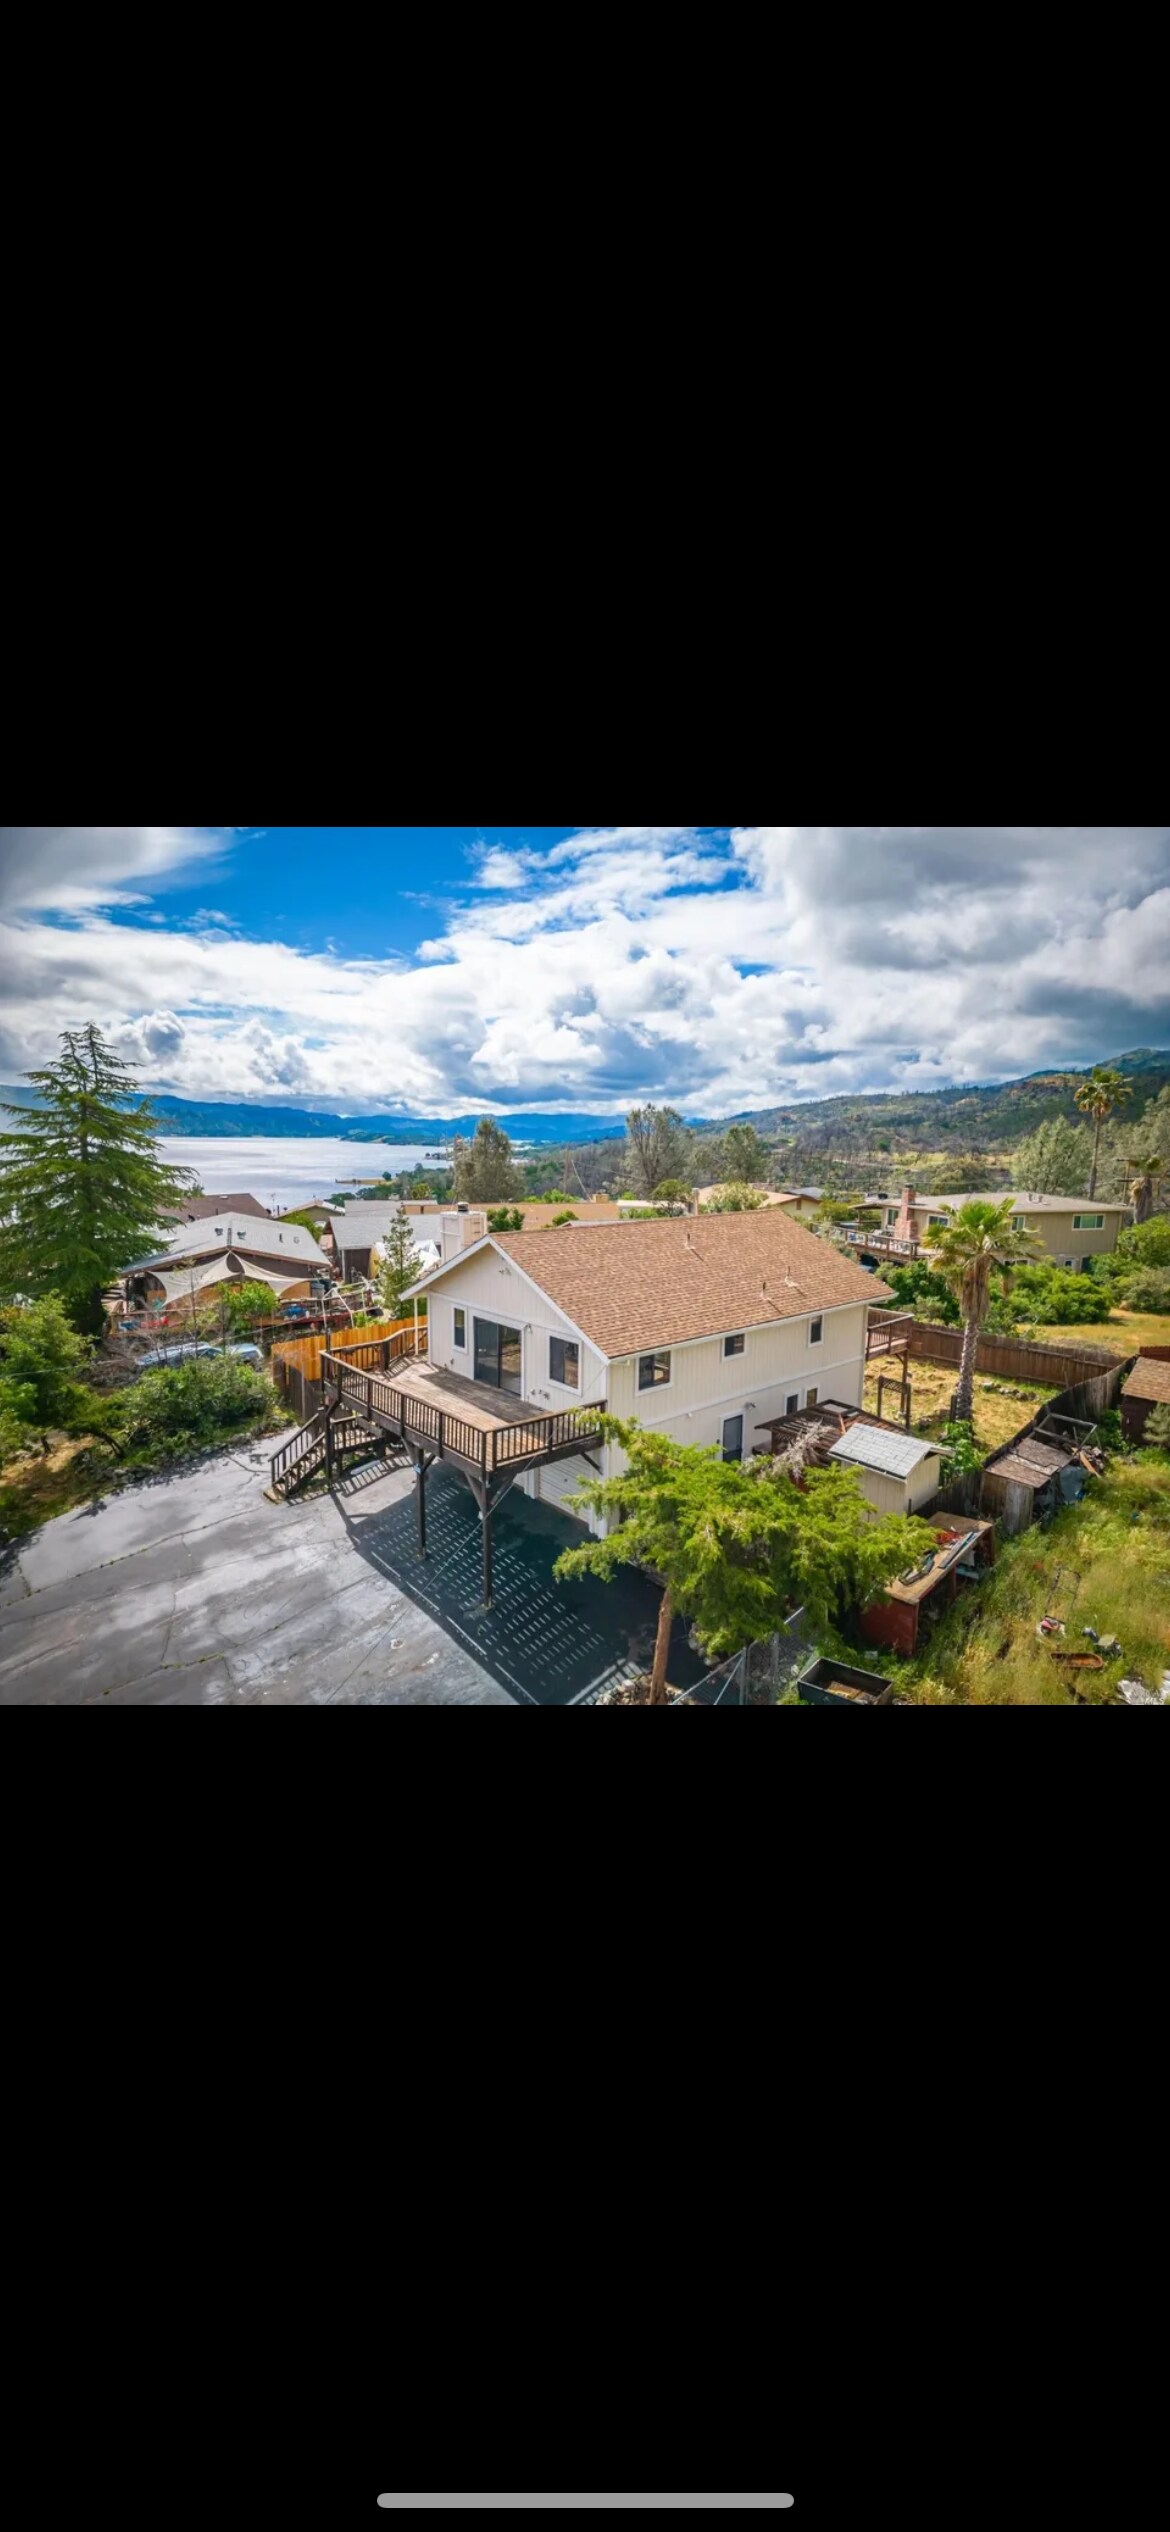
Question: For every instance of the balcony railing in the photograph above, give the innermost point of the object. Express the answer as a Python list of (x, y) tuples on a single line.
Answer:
[(487, 1449)]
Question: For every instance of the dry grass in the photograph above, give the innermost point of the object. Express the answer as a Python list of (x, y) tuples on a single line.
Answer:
[(1125, 1330), (1115, 1547), (1001, 1406)]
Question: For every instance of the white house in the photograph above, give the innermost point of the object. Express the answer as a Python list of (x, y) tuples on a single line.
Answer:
[(701, 1328)]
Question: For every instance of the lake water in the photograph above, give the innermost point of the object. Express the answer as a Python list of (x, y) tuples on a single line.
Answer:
[(283, 1171)]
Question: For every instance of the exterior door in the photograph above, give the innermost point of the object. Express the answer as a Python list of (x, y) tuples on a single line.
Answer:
[(733, 1437), (498, 1355)]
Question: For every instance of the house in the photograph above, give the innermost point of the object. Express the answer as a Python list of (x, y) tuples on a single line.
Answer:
[(230, 1247), (1148, 1386), (695, 1327), (353, 1234), (210, 1208), (1072, 1231)]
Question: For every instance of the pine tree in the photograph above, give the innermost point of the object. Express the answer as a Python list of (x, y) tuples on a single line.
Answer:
[(400, 1267), (82, 1190)]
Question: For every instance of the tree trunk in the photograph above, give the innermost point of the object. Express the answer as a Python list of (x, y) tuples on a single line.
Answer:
[(1096, 1148), (657, 1696), (965, 1393)]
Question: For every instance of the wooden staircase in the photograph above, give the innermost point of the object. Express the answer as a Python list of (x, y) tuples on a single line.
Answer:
[(304, 1453)]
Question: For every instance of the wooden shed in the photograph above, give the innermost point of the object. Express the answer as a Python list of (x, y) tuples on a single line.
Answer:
[(1148, 1386), (964, 1547)]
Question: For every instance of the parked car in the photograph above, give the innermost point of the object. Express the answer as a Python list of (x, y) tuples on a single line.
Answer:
[(248, 1354), (165, 1357), (296, 1310)]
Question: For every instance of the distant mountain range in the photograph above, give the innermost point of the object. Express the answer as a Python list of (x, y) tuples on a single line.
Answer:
[(987, 1113), (217, 1117)]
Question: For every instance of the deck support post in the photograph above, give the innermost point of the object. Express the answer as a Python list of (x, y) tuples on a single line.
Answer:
[(486, 1517), (329, 1447), (421, 1465)]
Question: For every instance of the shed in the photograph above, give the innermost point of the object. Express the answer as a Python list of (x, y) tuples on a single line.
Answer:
[(1148, 1386), (897, 1471), (1036, 1472), (963, 1548)]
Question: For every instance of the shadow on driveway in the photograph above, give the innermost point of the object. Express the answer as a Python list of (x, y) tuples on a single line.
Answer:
[(549, 1643)]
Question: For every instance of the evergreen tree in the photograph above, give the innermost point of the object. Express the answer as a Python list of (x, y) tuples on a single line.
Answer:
[(82, 1189), (734, 1547), (400, 1267)]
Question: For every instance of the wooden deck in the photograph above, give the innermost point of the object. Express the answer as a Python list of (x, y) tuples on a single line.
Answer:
[(482, 1432)]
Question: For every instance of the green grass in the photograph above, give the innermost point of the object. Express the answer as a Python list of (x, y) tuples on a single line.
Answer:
[(1115, 1546)]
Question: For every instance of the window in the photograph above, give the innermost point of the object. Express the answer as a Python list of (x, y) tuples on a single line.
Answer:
[(498, 1356), (791, 1404), (938, 1221), (733, 1345), (461, 1330), (653, 1371), (564, 1362), (816, 1331), (891, 1216), (733, 1437), (810, 1397), (1088, 1221)]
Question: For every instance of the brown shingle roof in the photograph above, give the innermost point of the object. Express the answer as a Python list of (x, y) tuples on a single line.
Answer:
[(645, 1284), (1148, 1380), (209, 1208)]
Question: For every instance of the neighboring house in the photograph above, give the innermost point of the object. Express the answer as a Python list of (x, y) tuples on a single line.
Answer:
[(212, 1208), (1072, 1230), (699, 1328), (1148, 1386), (353, 1235), (230, 1247)]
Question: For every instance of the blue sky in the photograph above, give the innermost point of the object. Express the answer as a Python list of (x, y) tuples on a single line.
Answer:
[(431, 970)]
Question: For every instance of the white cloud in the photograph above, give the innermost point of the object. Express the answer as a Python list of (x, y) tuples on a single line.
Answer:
[(725, 969), (71, 867)]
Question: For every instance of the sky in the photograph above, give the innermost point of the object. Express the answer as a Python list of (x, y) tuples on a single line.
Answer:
[(437, 970)]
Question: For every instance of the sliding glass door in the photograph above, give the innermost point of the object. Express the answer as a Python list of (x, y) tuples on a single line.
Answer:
[(498, 1355)]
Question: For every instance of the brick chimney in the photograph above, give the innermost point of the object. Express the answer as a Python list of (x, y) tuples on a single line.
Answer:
[(904, 1226)]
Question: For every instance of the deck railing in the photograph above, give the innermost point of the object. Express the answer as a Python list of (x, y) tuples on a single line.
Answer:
[(449, 1434)]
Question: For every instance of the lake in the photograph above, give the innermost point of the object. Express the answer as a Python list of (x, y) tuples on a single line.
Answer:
[(284, 1171)]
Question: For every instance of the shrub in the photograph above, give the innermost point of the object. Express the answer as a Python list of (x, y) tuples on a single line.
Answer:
[(1053, 1297), (559, 1218), (919, 1289), (1149, 1290), (169, 1412), (505, 1217), (40, 1357), (1145, 1243), (959, 1440), (1157, 1431)]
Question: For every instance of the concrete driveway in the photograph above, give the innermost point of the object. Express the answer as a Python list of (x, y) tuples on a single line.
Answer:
[(194, 1590)]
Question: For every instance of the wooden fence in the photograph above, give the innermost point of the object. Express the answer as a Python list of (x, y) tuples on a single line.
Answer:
[(296, 1366), (303, 1353), (1012, 1507), (1010, 1357)]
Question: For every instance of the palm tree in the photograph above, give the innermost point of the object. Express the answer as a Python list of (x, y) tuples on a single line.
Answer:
[(1145, 1177), (1098, 1097), (981, 1245)]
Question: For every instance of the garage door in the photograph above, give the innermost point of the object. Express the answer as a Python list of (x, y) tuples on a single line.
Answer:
[(561, 1480)]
